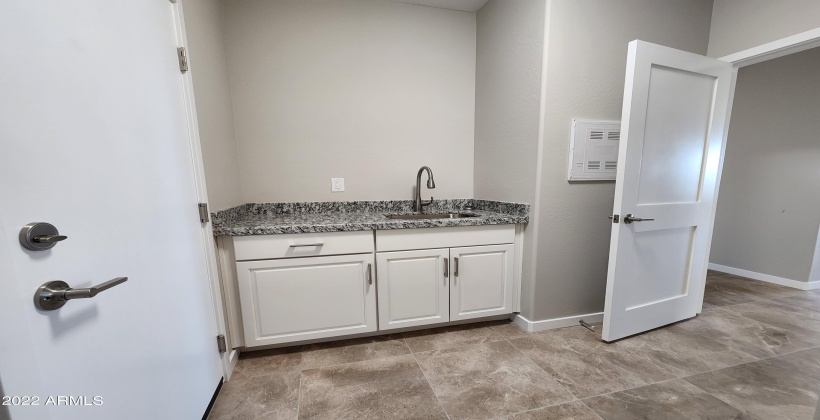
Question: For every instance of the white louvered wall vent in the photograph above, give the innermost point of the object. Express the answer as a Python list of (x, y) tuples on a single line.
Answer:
[(593, 150)]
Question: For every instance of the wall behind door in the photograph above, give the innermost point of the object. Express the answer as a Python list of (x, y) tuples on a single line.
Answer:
[(768, 211), (365, 90), (509, 57), (209, 70), (741, 24), (587, 48)]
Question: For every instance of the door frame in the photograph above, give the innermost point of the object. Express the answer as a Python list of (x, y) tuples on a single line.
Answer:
[(230, 357), (764, 52), (778, 48)]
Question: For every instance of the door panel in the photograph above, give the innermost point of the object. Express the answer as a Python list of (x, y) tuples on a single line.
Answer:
[(675, 136), (306, 298), (482, 281), (672, 137), (94, 141), (659, 253), (413, 288)]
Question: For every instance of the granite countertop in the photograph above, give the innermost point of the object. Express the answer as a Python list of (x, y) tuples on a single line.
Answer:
[(282, 218)]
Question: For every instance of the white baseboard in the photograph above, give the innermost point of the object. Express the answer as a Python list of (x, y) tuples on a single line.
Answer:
[(551, 324), (796, 284)]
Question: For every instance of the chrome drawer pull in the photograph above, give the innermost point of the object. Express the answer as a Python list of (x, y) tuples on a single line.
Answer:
[(301, 245)]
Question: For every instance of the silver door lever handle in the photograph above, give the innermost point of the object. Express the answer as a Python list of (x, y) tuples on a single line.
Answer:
[(54, 294), (629, 218)]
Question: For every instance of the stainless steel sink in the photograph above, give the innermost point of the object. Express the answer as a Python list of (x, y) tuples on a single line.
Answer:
[(431, 216)]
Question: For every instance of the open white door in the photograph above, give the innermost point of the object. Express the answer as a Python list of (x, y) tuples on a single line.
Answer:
[(673, 124), (94, 141)]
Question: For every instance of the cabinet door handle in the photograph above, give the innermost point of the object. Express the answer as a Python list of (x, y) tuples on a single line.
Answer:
[(446, 268), (455, 271), (317, 244), (369, 273)]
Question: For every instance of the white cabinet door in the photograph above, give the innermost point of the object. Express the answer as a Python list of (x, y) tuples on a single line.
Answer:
[(413, 288), (482, 280), (306, 298)]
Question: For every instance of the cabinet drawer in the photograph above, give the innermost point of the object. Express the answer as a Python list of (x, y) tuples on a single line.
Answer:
[(427, 238), (261, 247)]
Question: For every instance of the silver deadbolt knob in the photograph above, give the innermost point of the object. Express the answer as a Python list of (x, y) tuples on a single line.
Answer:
[(54, 294), (40, 236)]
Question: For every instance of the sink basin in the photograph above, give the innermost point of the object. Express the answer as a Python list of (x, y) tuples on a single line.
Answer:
[(431, 216)]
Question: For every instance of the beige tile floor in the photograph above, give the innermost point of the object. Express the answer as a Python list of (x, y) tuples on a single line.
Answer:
[(754, 353)]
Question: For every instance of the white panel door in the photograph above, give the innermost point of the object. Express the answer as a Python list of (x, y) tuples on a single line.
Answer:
[(482, 283), (413, 288), (672, 139), (94, 140), (296, 299)]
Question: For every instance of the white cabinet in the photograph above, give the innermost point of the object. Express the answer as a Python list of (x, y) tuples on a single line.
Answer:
[(459, 277), (413, 288), (482, 281), (295, 299), (299, 287)]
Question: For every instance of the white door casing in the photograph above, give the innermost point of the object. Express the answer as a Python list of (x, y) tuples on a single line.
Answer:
[(94, 140), (413, 288), (294, 299), (482, 281), (674, 117)]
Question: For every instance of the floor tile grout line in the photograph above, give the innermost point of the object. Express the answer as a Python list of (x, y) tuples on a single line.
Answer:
[(770, 324), (538, 408), (591, 409), (745, 352), (460, 345), (684, 377), (724, 401), (433, 390), (357, 361), (544, 370), (299, 398)]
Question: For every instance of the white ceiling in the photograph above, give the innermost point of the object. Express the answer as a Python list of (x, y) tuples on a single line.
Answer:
[(463, 5)]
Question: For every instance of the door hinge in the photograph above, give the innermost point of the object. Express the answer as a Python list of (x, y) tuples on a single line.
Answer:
[(203, 212), (182, 56), (221, 344)]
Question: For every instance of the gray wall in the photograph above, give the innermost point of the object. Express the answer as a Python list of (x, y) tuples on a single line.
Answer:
[(741, 24), (769, 207), (209, 70), (367, 90), (585, 79), (509, 54)]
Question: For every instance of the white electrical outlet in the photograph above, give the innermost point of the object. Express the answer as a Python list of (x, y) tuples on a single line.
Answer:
[(337, 184)]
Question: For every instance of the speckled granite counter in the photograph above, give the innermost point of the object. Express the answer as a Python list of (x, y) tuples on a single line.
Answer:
[(280, 218)]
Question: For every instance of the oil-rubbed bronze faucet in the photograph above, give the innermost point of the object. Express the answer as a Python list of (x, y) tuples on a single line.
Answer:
[(430, 185)]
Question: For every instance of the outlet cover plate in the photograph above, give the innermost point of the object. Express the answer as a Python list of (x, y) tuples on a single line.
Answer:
[(337, 184)]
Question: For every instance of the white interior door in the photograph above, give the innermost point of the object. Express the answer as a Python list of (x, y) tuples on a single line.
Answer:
[(673, 124), (94, 141)]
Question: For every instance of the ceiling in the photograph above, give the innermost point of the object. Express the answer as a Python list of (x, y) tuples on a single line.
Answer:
[(463, 5)]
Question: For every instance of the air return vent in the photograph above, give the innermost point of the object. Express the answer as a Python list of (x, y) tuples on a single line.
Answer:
[(594, 150)]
